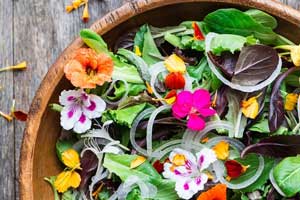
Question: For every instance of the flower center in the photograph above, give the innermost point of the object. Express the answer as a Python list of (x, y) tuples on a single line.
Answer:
[(193, 111), (90, 71)]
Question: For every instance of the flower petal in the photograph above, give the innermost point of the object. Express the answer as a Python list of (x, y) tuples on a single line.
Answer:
[(188, 155), (71, 159), (184, 188), (201, 99), (183, 104), (205, 157), (82, 125), (96, 108), (65, 180), (195, 122), (206, 112), (68, 97), (216, 192), (69, 116)]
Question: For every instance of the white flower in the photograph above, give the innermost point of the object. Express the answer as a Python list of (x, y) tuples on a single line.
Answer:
[(79, 108), (188, 171)]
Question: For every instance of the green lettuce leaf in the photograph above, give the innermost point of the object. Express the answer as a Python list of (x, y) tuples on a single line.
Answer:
[(227, 42), (149, 49), (287, 175), (263, 18), (123, 116), (234, 21)]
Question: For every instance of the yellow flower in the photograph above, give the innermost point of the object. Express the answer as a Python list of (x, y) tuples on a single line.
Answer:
[(175, 64), (67, 179), (222, 150), (71, 159), (250, 107), (137, 162), (294, 51), (290, 101), (137, 51)]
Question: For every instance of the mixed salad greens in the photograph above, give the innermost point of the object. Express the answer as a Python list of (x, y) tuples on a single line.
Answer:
[(203, 110)]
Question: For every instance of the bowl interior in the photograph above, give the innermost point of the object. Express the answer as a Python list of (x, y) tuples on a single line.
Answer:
[(45, 160)]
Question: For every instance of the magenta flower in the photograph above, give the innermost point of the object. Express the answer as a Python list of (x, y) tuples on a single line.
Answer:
[(195, 106)]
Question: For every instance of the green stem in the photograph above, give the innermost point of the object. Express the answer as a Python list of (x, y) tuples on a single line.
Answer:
[(56, 107)]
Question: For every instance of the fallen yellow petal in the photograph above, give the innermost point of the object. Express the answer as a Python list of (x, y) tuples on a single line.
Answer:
[(20, 66), (77, 3), (85, 15), (175, 64), (290, 101), (65, 180), (137, 51), (137, 162), (222, 150), (149, 88), (295, 55), (69, 8), (6, 116), (250, 107), (71, 159), (170, 100)]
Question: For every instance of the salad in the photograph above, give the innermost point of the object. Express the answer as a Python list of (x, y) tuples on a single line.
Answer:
[(203, 110)]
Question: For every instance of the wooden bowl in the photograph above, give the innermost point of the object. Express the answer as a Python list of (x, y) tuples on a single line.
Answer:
[(38, 157)]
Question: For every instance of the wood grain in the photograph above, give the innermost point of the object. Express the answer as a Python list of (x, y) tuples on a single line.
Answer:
[(36, 31)]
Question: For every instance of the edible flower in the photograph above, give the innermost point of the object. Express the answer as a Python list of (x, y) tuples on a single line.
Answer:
[(170, 98), (222, 150), (175, 80), (76, 4), (195, 106), (250, 107), (137, 51), (68, 178), (218, 192), (175, 64), (294, 51), (290, 101), (188, 171), (159, 166), (235, 169), (198, 35), (78, 109), (20, 66), (137, 162), (85, 14), (89, 69), (19, 115)]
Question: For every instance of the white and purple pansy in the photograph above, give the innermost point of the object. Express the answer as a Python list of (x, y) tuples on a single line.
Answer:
[(78, 109), (188, 171)]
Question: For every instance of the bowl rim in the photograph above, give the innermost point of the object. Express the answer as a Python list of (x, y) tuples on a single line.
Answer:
[(101, 26)]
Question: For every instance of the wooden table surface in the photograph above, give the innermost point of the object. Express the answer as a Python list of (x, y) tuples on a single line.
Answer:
[(36, 31)]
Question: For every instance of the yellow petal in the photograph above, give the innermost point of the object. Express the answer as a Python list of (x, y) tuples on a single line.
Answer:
[(65, 180), (179, 160), (175, 64), (20, 66), (250, 107), (149, 88), (290, 101), (85, 15), (137, 50), (222, 150), (69, 8), (137, 162), (71, 159), (295, 55), (6, 116), (170, 100)]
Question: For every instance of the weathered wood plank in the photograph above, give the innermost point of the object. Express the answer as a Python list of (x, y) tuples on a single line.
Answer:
[(42, 30), (293, 3), (7, 173)]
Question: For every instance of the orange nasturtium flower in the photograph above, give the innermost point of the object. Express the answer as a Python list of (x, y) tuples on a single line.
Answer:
[(250, 107), (290, 101), (218, 192), (234, 169), (88, 69), (222, 150), (198, 35), (69, 177)]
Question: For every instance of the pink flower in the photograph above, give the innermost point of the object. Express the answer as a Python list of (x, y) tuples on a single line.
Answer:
[(195, 106), (78, 110)]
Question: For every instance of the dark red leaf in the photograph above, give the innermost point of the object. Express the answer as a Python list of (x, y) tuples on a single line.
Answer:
[(20, 115), (255, 64), (276, 146), (221, 102), (226, 62), (276, 114), (88, 163)]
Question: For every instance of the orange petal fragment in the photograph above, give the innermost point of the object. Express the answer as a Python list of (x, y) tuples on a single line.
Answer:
[(290, 101), (250, 107), (218, 192), (65, 180)]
